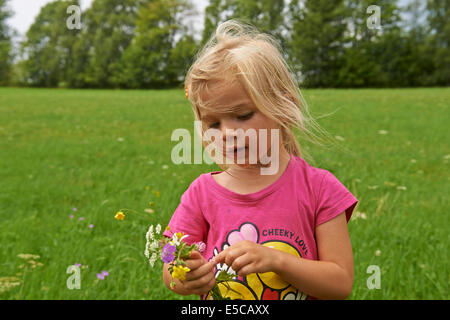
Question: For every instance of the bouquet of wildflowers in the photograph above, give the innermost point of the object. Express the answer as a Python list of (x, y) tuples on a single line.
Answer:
[(175, 251)]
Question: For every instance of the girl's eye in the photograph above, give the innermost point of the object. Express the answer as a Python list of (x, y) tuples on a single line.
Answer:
[(246, 116), (214, 125)]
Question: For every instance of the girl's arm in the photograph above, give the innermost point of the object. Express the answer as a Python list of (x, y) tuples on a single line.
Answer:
[(331, 277)]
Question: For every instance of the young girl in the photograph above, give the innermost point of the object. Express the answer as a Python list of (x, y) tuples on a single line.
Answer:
[(283, 235)]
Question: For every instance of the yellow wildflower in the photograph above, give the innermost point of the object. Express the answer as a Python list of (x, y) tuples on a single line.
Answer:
[(179, 272), (119, 216)]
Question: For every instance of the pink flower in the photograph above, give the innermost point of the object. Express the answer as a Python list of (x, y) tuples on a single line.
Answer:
[(81, 218), (201, 246), (91, 226), (102, 275), (71, 216)]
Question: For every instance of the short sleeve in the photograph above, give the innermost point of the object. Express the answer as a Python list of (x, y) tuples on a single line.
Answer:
[(333, 198), (188, 217)]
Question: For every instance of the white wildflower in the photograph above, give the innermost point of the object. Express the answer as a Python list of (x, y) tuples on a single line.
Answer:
[(152, 260)]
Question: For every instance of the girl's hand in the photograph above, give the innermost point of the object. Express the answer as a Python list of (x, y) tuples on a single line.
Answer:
[(200, 280), (247, 257)]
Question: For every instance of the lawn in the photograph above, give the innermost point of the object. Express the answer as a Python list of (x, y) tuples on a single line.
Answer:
[(72, 158)]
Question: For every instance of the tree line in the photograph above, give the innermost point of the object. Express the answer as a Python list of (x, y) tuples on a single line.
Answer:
[(151, 43)]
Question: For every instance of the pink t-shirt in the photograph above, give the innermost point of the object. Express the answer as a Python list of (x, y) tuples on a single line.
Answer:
[(282, 216)]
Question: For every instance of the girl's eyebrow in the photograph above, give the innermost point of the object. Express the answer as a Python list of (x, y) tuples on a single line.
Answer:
[(234, 108)]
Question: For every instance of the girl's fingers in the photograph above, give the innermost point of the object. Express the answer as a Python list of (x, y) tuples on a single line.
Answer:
[(246, 270), (195, 261), (228, 255), (240, 262), (200, 271)]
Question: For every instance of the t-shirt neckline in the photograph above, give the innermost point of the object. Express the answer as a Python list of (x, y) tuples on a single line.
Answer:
[(254, 196)]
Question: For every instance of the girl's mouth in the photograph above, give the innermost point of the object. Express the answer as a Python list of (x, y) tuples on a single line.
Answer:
[(236, 149)]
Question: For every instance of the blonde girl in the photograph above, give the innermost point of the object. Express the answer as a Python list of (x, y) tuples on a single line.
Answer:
[(283, 235)]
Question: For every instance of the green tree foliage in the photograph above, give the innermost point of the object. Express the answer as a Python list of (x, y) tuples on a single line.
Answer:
[(148, 44), (266, 15), (438, 44), (316, 48), (47, 50), (5, 44), (367, 50), (108, 27), (155, 58)]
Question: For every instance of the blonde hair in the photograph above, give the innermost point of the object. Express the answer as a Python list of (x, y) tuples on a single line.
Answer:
[(237, 51)]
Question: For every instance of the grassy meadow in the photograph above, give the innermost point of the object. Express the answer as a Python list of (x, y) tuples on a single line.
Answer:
[(70, 159)]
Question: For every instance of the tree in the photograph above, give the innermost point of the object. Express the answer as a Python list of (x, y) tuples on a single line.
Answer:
[(108, 27), (266, 15), (365, 63), (439, 30), (316, 47), (5, 44), (47, 49), (155, 57)]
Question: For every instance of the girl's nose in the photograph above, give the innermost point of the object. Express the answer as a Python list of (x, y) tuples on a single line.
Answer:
[(228, 129)]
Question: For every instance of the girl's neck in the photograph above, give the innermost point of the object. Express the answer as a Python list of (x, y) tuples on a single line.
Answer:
[(249, 179)]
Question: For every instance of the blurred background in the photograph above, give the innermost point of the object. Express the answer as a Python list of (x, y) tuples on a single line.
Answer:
[(150, 44), (91, 91)]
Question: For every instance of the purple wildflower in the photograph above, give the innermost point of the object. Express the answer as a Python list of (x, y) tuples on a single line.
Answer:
[(100, 276), (74, 209), (167, 254), (78, 264), (81, 218), (71, 216), (91, 226), (105, 273)]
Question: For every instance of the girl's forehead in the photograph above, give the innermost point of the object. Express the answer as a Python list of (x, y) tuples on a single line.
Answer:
[(224, 98)]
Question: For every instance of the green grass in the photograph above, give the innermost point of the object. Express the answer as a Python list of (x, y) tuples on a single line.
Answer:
[(62, 149)]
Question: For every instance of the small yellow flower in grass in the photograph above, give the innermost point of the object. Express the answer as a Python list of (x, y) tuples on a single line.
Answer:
[(119, 216), (147, 188), (179, 272)]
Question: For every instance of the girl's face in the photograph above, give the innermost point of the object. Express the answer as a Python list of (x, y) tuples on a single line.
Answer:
[(244, 115)]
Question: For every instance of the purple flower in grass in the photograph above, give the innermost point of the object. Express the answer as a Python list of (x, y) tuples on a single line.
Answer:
[(102, 275), (167, 254)]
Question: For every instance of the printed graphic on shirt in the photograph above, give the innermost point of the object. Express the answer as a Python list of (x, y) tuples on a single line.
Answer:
[(257, 286)]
